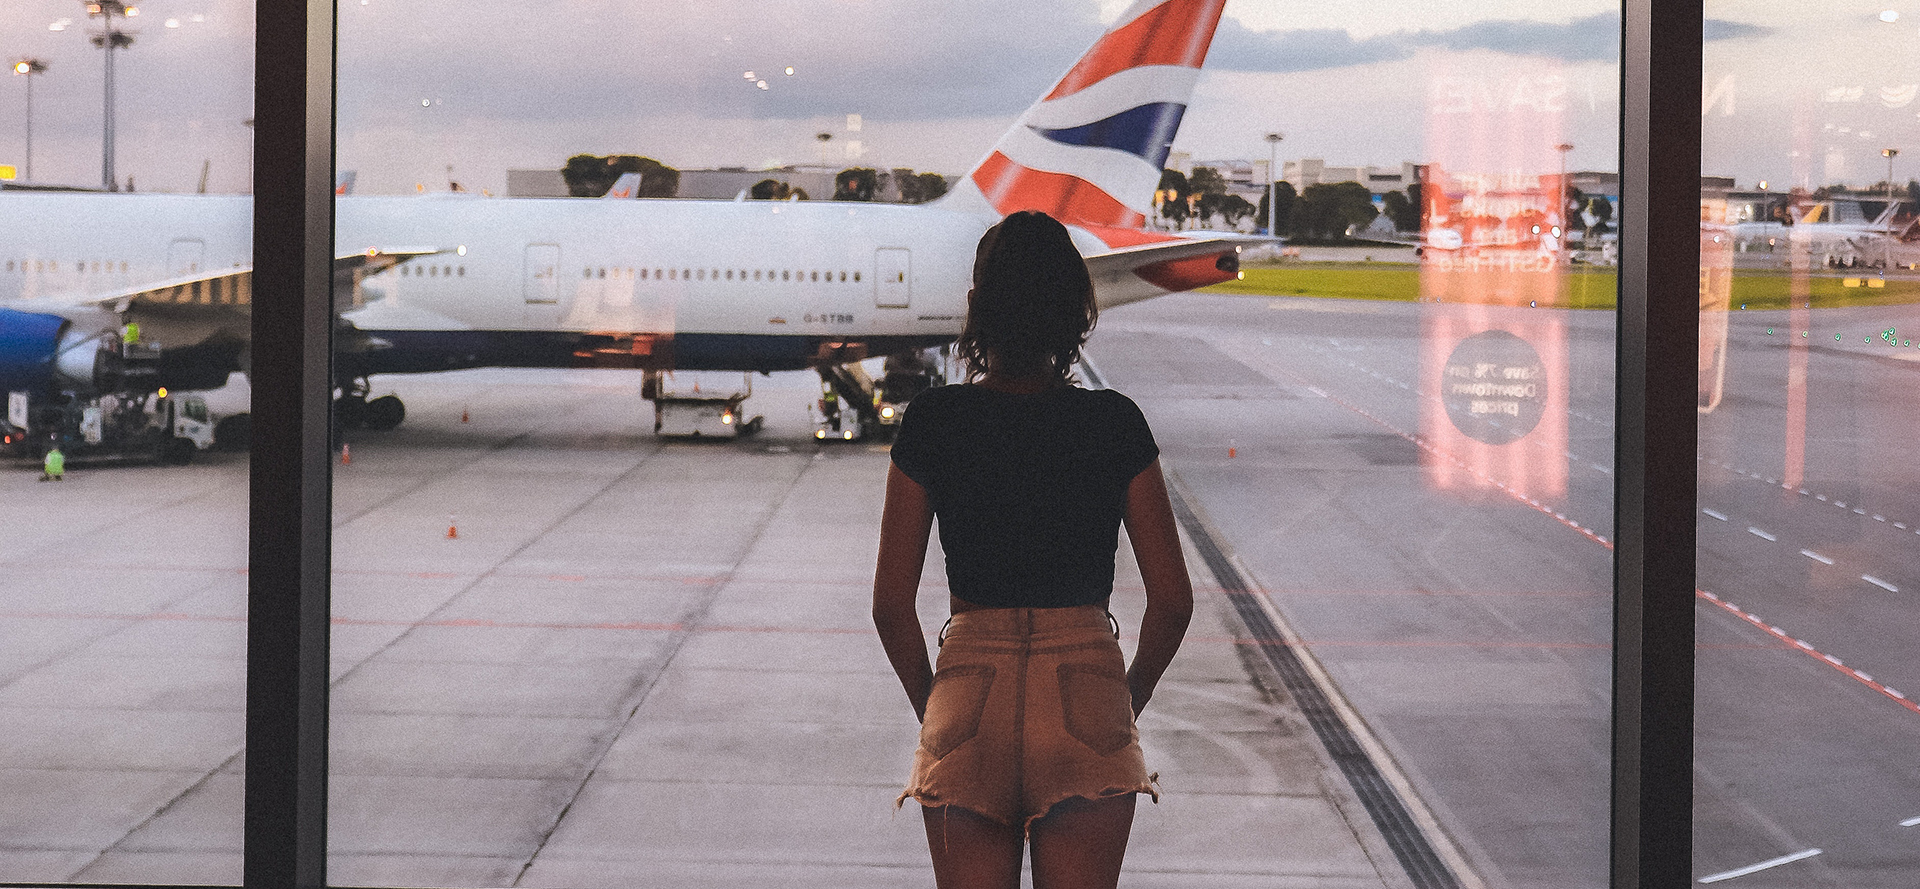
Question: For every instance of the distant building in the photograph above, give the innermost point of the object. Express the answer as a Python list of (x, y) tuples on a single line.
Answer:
[(1379, 180)]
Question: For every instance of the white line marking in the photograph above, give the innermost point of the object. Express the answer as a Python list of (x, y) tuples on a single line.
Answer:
[(1717, 515), (1832, 660), (1760, 534), (1773, 481), (1879, 518), (1820, 497), (1864, 677), (1901, 525), (1756, 868), (1803, 492), (1816, 557), (1911, 822), (1880, 583), (1840, 503), (1889, 690), (1859, 512)]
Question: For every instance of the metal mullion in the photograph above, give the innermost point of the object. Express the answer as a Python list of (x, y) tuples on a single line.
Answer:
[(291, 476), (1656, 444)]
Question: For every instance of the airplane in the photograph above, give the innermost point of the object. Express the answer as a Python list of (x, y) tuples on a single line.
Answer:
[(1836, 232), (452, 281)]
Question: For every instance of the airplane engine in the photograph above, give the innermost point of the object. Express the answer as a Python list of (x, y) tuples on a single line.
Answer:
[(39, 352)]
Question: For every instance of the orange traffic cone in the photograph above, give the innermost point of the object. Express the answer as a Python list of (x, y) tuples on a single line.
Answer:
[(453, 533), (1231, 450), (463, 415), (346, 455)]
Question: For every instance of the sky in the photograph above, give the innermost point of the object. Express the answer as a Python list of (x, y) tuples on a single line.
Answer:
[(483, 86)]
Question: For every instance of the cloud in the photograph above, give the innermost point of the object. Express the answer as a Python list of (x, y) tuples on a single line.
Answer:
[(1238, 48), (1594, 38)]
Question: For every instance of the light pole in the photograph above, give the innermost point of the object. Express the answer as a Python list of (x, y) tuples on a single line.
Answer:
[(1566, 229), (27, 68), (110, 38), (1273, 179), (1889, 154)]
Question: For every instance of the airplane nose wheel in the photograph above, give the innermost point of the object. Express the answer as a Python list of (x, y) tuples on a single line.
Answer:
[(384, 413)]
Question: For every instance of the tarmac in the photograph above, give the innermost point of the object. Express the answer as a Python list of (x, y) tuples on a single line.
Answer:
[(569, 654)]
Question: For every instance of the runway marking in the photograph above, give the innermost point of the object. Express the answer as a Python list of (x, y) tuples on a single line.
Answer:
[(1810, 651), (1761, 534), (1888, 691), (1911, 822), (1880, 583), (1764, 865), (1717, 515), (1816, 557)]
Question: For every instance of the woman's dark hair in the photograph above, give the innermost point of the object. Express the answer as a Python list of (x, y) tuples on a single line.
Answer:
[(1032, 303)]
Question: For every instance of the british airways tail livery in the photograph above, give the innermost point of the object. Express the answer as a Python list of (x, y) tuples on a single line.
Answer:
[(443, 282)]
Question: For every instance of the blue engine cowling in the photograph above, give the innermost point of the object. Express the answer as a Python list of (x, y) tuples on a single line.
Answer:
[(41, 352)]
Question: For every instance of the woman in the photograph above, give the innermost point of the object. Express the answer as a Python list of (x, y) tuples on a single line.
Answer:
[(1027, 729)]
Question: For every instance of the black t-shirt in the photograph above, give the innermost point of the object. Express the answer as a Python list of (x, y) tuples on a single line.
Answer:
[(1030, 489)]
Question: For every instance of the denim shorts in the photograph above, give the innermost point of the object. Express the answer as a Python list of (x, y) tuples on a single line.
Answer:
[(1029, 707)]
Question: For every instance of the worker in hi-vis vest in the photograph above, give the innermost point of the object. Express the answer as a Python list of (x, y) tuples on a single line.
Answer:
[(56, 466)]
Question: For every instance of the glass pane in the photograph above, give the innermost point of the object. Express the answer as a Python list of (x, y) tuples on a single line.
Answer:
[(602, 591), (123, 322), (1807, 522)]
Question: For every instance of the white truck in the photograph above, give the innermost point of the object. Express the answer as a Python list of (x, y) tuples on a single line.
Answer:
[(167, 427)]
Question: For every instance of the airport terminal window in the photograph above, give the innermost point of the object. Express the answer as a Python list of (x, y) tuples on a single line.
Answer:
[(568, 651), (123, 577), (1808, 512)]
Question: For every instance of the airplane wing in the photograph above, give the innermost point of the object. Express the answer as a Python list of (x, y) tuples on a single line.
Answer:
[(1143, 271), (231, 289)]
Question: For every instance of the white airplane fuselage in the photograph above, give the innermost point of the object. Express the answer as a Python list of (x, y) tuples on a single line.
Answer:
[(530, 282)]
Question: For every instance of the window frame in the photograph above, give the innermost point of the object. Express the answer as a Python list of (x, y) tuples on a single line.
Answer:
[(290, 545)]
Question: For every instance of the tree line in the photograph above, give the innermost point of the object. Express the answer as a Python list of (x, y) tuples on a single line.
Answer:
[(592, 176)]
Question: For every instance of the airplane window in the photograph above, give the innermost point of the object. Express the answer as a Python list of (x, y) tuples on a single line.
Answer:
[(123, 266), (729, 274), (686, 274), (716, 274), (9, 265), (463, 271), (856, 276), (703, 274), (586, 273), (816, 276), (643, 274), (433, 271), (96, 266), (603, 273), (656, 274), (843, 277), (785, 275), (673, 274)]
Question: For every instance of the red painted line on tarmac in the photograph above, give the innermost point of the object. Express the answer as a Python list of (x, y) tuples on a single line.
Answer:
[(1808, 650)]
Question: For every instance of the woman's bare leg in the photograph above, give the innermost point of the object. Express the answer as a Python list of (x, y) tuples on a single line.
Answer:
[(1079, 844), (971, 851)]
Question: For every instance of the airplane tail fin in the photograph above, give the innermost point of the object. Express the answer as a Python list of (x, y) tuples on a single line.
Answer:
[(1090, 152), (627, 186)]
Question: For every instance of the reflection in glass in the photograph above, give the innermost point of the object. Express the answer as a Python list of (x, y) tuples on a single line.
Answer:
[(1808, 515)]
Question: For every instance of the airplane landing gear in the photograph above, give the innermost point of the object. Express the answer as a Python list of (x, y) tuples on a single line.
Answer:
[(353, 410)]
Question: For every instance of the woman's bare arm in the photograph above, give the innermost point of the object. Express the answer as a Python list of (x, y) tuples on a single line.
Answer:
[(1156, 548), (904, 525)]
